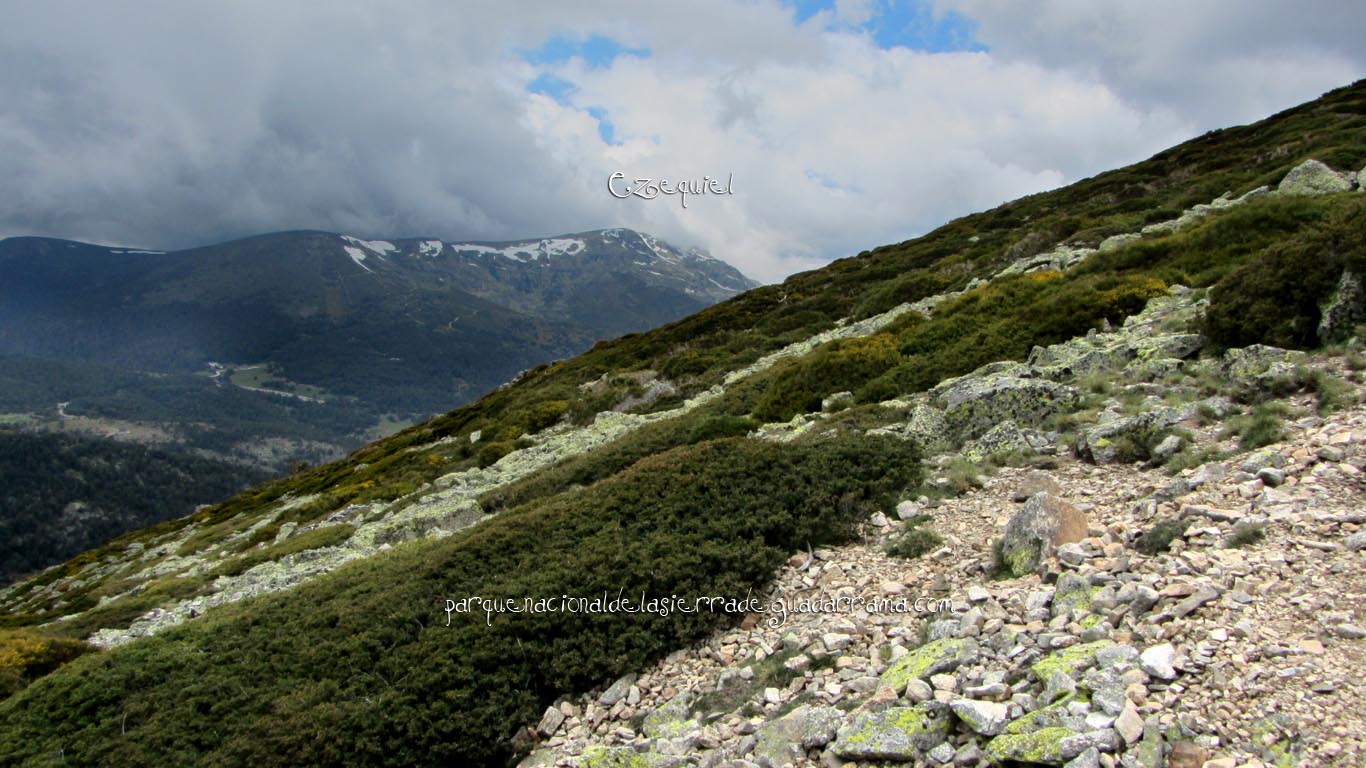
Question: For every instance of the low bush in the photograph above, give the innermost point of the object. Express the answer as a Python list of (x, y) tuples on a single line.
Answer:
[(915, 539), (721, 426), (359, 667), (1246, 534), (1159, 538), (26, 655), (800, 386)]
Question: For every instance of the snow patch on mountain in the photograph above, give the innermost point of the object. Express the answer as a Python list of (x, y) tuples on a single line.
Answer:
[(528, 251), (430, 247), (358, 256), (378, 247)]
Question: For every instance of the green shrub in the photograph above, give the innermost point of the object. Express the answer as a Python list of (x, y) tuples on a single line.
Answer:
[(1246, 534), (721, 426), (359, 667), (1275, 297), (1159, 538), (1262, 427), (915, 540), (26, 655), (1333, 393), (799, 387)]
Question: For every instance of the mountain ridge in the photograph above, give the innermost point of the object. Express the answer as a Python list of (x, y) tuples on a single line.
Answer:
[(997, 330)]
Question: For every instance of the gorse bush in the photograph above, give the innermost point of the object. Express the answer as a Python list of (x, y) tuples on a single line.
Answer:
[(27, 655), (1003, 321), (358, 667), (721, 426), (915, 539), (800, 386), (1275, 297)]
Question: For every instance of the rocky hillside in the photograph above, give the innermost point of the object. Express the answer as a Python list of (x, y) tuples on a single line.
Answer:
[(1120, 358), (1059, 610)]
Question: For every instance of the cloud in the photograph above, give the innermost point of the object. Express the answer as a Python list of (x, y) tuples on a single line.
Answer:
[(843, 125), (1216, 62)]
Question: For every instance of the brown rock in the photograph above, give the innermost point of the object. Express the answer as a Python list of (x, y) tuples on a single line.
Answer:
[(1036, 482), (1187, 754), (1040, 526)]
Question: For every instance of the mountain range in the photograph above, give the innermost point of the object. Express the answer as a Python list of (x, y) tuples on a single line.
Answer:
[(255, 356), (412, 603)]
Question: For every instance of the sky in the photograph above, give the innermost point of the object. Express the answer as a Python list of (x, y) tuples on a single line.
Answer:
[(837, 125)]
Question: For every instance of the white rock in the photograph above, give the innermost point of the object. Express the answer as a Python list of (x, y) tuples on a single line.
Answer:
[(1157, 661)]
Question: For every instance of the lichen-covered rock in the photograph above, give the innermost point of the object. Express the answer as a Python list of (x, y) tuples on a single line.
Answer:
[(626, 757), (975, 403), (929, 659), (1044, 522), (1115, 242), (1053, 715), (1008, 437), (1070, 661), (1059, 259), (672, 720), (926, 426), (1125, 438), (1344, 310), (837, 402), (1049, 746), (1257, 366), (1073, 593), (896, 733), (617, 690), (1313, 178), (782, 741)]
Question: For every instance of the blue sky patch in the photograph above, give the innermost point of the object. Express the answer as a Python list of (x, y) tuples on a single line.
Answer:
[(556, 88), (606, 128), (596, 51), (905, 24)]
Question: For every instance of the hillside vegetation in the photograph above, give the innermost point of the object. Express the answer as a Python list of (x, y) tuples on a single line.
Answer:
[(623, 468), (62, 495)]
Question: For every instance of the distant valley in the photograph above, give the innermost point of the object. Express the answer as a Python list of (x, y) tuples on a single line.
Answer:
[(290, 349)]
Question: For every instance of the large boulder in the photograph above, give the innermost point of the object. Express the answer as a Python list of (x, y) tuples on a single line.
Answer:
[(1125, 438), (975, 403), (944, 655), (1008, 437), (786, 740), (899, 734), (1313, 178), (1040, 526), (1258, 366), (1344, 310)]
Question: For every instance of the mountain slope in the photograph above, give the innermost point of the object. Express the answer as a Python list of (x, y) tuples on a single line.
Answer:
[(64, 494), (991, 323), (411, 326), (293, 348)]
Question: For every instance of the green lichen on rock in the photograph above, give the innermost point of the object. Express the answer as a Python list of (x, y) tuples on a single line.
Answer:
[(1274, 736), (787, 738), (613, 757), (1041, 746), (1070, 661), (929, 659), (1074, 593), (671, 720), (1051, 716), (895, 733)]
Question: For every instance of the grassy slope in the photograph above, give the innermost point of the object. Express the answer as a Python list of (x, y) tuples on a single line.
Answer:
[(1001, 321)]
